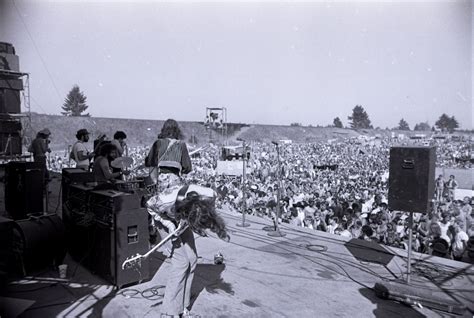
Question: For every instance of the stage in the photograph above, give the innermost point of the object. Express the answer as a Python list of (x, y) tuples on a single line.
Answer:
[(303, 274)]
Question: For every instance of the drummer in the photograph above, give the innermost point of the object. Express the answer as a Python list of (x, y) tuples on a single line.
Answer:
[(119, 142), (102, 170)]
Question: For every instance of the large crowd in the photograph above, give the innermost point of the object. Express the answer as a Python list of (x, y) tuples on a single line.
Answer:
[(340, 187)]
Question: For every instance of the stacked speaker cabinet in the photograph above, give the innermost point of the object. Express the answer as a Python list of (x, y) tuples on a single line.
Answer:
[(10, 136), (121, 230), (23, 189), (411, 178)]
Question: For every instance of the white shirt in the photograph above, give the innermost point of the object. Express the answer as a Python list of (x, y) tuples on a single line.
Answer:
[(458, 247), (76, 149)]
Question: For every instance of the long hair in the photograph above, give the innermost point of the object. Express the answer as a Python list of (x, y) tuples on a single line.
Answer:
[(170, 129), (200, 213)]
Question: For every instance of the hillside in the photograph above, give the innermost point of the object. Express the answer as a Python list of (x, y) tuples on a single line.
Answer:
[(144, 132)]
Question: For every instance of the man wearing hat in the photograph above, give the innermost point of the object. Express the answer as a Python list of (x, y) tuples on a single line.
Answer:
[(79, 152), (39, 147)]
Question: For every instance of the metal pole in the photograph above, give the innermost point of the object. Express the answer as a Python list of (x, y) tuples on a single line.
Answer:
[(244, 189), (410, 233), (277, 231)]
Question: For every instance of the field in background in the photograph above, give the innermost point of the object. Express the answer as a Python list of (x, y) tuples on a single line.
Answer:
[(144, 132)]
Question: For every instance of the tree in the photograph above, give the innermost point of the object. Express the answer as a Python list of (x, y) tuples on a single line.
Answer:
[(422, 127), (447, 123), (75, 103), (337, 122), (359, 118), (403, 125)]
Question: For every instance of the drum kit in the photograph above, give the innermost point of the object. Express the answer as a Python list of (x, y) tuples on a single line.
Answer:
[(132, 183)]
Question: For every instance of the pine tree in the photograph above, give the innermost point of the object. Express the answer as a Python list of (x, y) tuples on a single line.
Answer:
[(422, 127), (337, 122), (403, 125), (447, 123), (359, 118), (75, 103)]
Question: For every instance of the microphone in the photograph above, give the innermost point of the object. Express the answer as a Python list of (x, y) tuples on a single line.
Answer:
[(275, 143)]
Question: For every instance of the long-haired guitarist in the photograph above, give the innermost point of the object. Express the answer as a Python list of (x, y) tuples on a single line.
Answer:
[(195, 206)]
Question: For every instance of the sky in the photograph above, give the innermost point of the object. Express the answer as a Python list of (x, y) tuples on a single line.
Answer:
[(265, 62)]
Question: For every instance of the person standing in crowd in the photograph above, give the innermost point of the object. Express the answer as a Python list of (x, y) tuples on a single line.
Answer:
[(169, 156), (460, 240), (452, 185), (119, 142), (79, 152), (439, 186), (40, 147), (102, 170)]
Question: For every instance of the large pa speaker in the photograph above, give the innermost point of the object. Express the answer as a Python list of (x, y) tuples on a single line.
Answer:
[(10, 143), (411, 178), (7, 48), (23, 189), (10, 101)]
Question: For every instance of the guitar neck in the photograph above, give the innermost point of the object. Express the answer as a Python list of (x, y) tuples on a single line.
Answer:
[(163, 241)]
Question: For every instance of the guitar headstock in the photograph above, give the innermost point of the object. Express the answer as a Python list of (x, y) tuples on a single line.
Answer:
[(132, 261)]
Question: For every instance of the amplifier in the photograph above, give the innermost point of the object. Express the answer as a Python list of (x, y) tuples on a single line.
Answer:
[(74, 176), (105, 203), (113, 245)]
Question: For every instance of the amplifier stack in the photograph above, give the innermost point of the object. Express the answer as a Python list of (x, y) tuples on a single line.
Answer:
[(104, 227)]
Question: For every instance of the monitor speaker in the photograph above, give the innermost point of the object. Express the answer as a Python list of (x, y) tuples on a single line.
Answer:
[(411, 178)]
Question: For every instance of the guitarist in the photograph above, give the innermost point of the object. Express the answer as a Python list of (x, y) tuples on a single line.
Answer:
[(168, 157), (195, 206)]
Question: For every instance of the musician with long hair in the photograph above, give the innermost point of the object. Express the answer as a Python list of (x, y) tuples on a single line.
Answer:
[(168, 157), (194, 206), (177, 203)]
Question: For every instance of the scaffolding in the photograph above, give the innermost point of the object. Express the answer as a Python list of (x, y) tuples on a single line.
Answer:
[(216, 121), (25, 77)]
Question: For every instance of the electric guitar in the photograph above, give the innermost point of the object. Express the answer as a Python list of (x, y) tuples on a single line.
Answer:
[(136, 259)]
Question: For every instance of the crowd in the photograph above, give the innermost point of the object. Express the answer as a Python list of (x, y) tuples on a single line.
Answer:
[(340, 187)]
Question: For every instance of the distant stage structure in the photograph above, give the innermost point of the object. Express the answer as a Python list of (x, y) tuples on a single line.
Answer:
[(216, 124)]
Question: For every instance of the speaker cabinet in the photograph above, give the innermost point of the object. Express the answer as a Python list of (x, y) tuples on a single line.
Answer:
[(10, 143), (9, 62), (128, 236), (121, 230), (7, 48), (412, 178), (10, 101), (23, 189)]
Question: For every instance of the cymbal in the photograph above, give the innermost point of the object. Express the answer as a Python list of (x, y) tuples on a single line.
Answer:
[(122, 162)]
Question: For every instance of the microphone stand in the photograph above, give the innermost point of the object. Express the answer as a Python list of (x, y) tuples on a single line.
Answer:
[(277, 232), (244, 187)]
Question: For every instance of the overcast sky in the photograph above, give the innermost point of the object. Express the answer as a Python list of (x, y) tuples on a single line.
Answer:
[(272, 63)]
